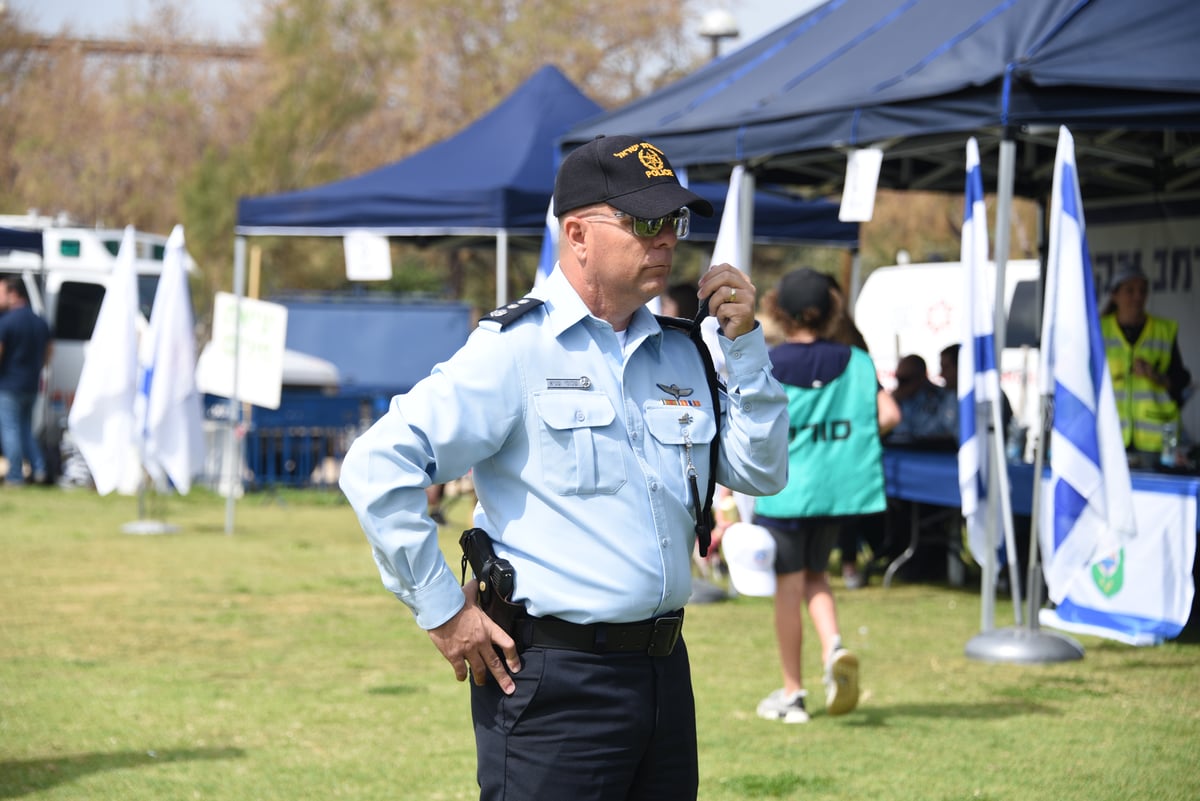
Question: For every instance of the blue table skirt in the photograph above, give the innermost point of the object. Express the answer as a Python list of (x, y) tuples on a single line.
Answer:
[(932, 477)]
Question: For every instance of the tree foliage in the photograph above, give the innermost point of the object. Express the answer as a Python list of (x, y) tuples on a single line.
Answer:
[(337, 87)]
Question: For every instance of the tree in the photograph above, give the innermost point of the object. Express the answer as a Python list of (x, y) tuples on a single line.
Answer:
[(338, 87)]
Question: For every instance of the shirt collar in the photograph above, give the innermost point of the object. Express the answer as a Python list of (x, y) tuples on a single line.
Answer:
[(564, 309)]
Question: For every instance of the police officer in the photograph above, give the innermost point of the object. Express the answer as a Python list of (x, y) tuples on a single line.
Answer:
[(588, 425)]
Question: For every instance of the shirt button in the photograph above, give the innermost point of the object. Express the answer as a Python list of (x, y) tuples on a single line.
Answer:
[(654, 486), (747, 406), (579, 416), (737, 354), (665, 542)]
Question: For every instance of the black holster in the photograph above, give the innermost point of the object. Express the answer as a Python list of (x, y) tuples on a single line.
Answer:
[(495, 576)]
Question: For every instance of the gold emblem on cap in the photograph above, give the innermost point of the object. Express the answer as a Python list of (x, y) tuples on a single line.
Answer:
[(650, 157)]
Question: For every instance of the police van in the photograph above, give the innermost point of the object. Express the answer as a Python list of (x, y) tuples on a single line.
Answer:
[(918, 309)]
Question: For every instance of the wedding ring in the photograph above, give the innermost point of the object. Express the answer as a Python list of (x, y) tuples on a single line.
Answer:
[(732, 295)]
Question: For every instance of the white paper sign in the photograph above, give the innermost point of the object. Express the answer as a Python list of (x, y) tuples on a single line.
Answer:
[(368, 257), (862, 178), (259, 355)]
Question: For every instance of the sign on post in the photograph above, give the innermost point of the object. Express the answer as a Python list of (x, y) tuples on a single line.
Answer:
[(257, 358)]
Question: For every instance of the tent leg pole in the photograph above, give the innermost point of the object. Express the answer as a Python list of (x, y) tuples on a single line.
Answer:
[(232, 456), (1004, 200)]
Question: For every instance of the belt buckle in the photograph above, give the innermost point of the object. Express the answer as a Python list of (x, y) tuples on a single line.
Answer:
[(665, 635)]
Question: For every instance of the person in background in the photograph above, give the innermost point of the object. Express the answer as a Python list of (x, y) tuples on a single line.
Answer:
[(924, 406), (835, 474), (587, 427), (948, 360), (868, 529), (25, 348), (1148, 376), (680, 301), (434, 494)]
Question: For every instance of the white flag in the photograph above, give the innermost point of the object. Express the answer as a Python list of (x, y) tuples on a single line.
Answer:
[(101, 420), (978, 378), (1089, 498), (728, 247), (170, 415), (726, 250)]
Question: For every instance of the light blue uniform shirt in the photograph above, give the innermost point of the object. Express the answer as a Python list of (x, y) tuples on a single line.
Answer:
[(578, 456)]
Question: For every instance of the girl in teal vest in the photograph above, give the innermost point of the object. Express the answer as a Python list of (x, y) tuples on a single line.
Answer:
[(835, 474)]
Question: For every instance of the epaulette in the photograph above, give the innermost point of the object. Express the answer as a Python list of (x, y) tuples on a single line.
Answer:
[(509, 312)]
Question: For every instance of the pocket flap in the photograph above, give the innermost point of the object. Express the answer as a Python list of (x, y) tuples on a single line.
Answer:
[(668, 423), (574, 409)]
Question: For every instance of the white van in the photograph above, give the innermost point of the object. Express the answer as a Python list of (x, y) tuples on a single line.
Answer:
[(66, 285), (917, 308)]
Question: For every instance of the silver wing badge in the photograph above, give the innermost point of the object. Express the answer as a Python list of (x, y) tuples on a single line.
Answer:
[(677, 391)]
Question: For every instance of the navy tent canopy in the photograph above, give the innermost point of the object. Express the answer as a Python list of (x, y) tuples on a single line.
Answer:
[(493, 175), (498, 174), (494, 179), (779, 217), (914, 76)]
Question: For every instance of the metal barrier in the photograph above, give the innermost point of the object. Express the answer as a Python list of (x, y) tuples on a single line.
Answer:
[(301, 444), (296, 456)]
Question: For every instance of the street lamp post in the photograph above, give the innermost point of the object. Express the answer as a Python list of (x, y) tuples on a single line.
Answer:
[(716, 25)]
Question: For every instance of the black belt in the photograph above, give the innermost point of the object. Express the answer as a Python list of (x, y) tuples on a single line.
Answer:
[(656, 637)]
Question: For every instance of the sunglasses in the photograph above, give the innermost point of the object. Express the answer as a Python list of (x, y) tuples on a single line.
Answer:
[(680, 220)]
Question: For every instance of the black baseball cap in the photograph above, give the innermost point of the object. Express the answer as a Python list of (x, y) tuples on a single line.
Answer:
[(627, 173), (802, 289)]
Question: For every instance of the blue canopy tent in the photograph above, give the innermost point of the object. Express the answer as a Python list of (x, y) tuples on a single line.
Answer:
[(493, 179), (914, 76)]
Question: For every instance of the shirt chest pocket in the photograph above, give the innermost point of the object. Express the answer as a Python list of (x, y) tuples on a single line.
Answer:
[(580, 446), (673, 428)]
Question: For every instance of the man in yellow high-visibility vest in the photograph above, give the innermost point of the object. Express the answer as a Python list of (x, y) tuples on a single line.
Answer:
[(1149, 379)]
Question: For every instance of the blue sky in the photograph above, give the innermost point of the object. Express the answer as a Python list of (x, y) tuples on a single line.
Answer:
[(226, 19)]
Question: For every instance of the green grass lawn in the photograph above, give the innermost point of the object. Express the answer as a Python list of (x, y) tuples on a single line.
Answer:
[(270, 665)]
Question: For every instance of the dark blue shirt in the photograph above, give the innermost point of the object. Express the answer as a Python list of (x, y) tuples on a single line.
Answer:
[(24, 336)]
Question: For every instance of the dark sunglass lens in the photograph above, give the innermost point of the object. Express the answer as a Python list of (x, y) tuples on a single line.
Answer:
[(647, 228)]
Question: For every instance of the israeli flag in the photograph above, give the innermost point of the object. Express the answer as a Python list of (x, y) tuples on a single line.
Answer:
[(1089, 510), (978, 378)]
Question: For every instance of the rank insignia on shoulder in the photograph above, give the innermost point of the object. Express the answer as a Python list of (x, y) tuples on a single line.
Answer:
[(512, 311)]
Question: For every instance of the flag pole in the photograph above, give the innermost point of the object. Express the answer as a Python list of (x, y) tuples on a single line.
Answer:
[(233, 456), (1033, 580), (1019, 643)]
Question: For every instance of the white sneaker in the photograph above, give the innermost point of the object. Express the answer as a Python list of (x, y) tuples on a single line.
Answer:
[(841, 682), (788, 708)]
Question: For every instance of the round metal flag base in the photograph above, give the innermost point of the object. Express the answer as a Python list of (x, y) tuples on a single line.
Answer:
[(1020, 644), (149, 527)]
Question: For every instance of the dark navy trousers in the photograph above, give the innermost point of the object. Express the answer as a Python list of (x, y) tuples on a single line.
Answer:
[(589, 727)]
